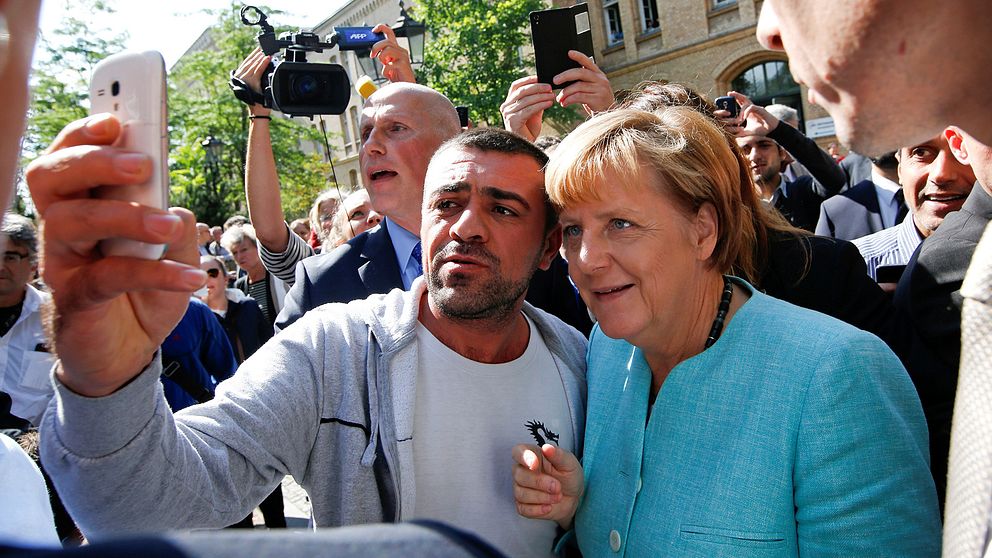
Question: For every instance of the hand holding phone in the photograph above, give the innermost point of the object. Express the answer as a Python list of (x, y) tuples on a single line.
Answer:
[(131, 86), (728, 104), (554, 33)]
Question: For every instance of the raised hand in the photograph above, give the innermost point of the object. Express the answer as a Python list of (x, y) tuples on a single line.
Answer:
[(547, 483), (110, 313), (591, 88), (753, 120), (394, 58), (523, 109), (251, 70)]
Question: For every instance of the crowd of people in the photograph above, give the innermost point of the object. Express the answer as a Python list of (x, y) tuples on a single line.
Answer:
[(674, 331)]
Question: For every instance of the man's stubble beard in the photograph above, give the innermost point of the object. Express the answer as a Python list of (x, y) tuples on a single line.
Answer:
[(476, 298)]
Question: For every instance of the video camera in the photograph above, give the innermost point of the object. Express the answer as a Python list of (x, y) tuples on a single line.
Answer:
[(297, 87)]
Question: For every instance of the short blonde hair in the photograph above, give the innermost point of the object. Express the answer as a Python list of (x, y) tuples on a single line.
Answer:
[(683, 147)]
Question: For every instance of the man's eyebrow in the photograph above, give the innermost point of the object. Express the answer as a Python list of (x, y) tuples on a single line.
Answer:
[(452, 188), (504, 195)]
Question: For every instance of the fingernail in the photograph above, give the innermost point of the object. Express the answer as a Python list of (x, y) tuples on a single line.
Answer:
[(193, 278), (97, 126), (131, 163), (162, 223)]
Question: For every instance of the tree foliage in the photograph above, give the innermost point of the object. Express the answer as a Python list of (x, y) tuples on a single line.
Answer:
[(61, 75), (200, 106), (473, 52)]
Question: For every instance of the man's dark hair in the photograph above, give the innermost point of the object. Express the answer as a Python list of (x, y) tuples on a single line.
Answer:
[(544, 142), (886, 161), (496, 140), (21, 231)]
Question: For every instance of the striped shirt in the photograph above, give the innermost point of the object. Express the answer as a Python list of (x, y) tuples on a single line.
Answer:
[(283, 264), (891, 246)]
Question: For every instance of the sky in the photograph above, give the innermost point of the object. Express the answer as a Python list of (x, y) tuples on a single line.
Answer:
[(171, 26)]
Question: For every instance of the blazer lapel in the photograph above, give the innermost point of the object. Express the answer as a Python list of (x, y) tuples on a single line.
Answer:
[(380, 273)]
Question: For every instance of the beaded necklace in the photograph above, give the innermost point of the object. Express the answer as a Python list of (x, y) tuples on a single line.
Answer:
[(721, 313)]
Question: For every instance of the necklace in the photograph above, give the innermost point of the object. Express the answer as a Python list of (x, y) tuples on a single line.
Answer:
[(721, 313)]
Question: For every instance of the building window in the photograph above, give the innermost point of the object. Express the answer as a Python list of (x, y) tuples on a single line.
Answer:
[(611, 15), (769, 83), (346, 133), (719, 4), (649, 16), (353, 178), (354, 122)]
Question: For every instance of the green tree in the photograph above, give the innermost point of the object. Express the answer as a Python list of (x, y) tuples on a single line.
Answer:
[(61, 74), (202, 106), (474, 53)]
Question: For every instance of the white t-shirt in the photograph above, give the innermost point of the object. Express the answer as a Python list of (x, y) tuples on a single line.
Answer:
[(25, 513), (468, 417)]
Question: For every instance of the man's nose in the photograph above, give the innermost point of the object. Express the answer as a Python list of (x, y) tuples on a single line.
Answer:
[(470, 226), (769, 32)]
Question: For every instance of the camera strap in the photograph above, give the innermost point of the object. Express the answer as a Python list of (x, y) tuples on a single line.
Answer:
[(245, 94)]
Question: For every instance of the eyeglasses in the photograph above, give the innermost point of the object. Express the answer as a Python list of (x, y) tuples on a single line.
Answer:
[(14, 257), (213, 272)]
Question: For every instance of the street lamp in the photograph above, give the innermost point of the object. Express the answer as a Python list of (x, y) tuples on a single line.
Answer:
[(414, 32), (369, 66), (212, 146)]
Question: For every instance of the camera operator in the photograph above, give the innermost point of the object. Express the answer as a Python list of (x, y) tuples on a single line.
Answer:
[(281, 251)]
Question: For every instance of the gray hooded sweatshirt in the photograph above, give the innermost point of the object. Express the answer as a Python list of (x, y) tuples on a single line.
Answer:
[(329, 401)]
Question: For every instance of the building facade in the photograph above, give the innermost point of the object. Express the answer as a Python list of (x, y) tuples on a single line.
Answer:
[(709, 45)]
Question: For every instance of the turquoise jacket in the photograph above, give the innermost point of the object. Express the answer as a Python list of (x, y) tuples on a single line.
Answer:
[(795, 434)]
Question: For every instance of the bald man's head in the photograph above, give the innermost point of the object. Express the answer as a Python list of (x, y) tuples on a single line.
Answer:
[(402, 125)]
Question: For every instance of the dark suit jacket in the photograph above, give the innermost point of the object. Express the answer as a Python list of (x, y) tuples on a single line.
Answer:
[(366, 265), (799, 201), (928, 318), (857, 167), (851, 214), (827, 275)]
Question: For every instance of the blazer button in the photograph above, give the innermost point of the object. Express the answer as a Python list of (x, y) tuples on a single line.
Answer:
[(639, 483), (615, 541)]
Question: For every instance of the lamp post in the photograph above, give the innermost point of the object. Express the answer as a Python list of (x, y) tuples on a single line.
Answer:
[(213, 147), (414, 32)]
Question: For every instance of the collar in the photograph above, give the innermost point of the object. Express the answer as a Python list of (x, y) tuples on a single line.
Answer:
[(403, 242), (885, 188), (908, 236)]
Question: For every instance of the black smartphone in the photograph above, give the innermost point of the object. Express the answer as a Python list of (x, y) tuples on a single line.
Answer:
[(889, 273), (728, 104), (554, 32), (462, 116)]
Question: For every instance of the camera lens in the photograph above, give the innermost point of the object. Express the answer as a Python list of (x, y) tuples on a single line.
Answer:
[(304, 87)]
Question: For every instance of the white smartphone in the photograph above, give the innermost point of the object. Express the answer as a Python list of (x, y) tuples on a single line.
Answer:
[(131, 86)]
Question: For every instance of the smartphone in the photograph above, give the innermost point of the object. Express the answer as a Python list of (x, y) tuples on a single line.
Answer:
[(554, 32), (131, 86), (728, 104)]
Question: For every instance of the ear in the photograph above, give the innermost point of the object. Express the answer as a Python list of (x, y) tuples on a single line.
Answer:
[(707, 228), (552, 242), (955, 139)]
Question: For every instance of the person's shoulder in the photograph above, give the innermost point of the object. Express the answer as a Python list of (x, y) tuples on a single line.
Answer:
[(346, 255), (804, 326), (561, 338)]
